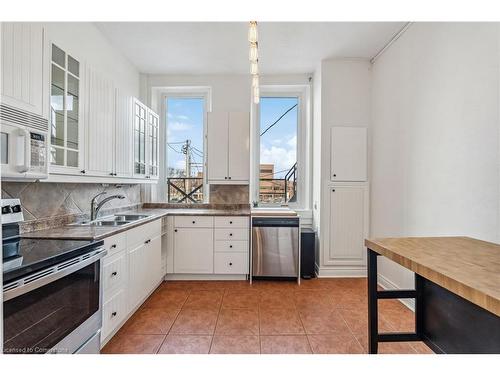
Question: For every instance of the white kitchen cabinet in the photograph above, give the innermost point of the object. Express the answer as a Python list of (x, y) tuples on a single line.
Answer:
[(347, 226), (99, 124), (124, 126), (140, 120), (228, 147), (193, 250), (153, 144), (24, 77), (348, 154), (67, 128)]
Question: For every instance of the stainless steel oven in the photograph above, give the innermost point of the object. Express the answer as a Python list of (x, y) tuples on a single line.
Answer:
[(55, 309)]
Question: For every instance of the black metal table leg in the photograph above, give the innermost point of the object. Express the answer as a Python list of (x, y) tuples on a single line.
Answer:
[(372, 303)]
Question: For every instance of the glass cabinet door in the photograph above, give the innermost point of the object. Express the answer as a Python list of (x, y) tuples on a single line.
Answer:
[(153, 122), (64, 109), (140, 138)]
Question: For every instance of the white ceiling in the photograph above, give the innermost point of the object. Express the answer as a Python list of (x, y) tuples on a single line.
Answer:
[(222, 47)]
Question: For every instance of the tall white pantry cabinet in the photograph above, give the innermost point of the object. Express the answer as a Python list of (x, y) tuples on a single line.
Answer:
[(346, 203)]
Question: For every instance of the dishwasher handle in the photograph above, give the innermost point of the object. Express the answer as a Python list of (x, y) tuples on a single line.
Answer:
[(275, 222)]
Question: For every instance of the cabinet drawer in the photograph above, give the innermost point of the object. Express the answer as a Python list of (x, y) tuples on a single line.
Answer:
[(113, 313), (231, 246), (236, 234), (194, 221), (231, 222), (116, 243), (232, 263), (142, 233), (114, 270)]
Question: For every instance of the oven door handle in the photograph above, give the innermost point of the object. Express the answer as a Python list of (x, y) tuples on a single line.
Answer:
[(23, 151), (51, 274)]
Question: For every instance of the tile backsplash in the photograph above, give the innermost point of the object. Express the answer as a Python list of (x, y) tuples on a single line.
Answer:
[(229, 194), (41, 200)]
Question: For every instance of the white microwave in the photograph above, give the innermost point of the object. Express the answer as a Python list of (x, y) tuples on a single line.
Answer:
[(23, 152)]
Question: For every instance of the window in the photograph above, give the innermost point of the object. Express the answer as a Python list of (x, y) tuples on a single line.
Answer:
[(280, 147), (185, 119), (64, 114), (278, 122)]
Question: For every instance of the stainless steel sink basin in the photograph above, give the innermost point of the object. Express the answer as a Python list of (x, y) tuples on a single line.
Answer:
[(105, 223), (129, 217), (113, 221)]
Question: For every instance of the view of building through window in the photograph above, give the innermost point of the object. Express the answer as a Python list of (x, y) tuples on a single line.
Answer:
[(278, 149), (185, 117)]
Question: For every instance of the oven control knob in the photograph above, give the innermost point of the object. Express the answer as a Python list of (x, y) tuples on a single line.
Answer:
[(113, 314), (16, 208), (6, 210)]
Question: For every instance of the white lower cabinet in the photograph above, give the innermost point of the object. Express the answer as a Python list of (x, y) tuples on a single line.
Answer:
[(347, 227), (193, 250), (231, 263), (114, 311), (131, 270), (204, 245)]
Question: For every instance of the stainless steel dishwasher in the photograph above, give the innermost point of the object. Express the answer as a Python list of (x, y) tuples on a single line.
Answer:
[(275, 247)]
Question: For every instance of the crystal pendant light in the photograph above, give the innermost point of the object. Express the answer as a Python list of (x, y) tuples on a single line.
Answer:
[(252, 32), (253, 54)]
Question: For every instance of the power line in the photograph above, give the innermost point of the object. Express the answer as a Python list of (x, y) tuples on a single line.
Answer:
[(171, 147), (272, 174), (274, 123)]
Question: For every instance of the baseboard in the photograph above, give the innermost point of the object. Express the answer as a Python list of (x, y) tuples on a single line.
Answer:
[(340, 272), (186, 276), (388, 284)]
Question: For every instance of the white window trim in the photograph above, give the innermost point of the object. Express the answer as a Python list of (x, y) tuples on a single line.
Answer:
[(304, 191), (163, 93)]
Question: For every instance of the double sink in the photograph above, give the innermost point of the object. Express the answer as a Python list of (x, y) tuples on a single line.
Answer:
[(113, 221)]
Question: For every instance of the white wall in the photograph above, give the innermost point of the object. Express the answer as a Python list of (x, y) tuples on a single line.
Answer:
[(435, 136), (86, 43)]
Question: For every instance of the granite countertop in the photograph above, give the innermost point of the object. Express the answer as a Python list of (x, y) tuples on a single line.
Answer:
[(77, 232)]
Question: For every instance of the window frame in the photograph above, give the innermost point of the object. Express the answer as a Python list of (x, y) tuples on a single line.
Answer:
[(203, 93), (302, 93)]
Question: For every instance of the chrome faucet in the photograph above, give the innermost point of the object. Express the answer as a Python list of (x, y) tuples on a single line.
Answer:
[(94, 208)]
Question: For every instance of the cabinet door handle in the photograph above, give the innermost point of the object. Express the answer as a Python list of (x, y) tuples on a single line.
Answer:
[(334, 175), (225, 178), (230, 246), (230, 263), (147, 241), (113, 314), (83, 171), (111, 174), (114, 273), (333, 190), (175, 230), (230, 234), (113, 246), (194, 222), (230, 222), (229, 177)]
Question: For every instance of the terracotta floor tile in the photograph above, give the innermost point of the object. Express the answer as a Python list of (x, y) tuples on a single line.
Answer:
[(319, 299), (235, 345), (177, 285), (335, 344), (186, 344), (238, 322), (421, 348), (241, 299), (280, 322), (276, 299), (204, 299), (150, 321), (169, 298), (357, 321), (195, 322), (133, 344), (323, 322), (313, 284), (387, 347), (284, 345), (397, 315), (275, 285)]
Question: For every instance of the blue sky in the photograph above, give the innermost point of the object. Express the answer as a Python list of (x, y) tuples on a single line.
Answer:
[(278, 144)]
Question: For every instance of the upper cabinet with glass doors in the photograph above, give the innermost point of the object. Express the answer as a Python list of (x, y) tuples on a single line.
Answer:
[(65, 120), (153, 131), (146, 130)]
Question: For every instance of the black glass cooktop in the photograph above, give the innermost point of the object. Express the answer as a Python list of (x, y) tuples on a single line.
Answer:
[(22, 256)]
